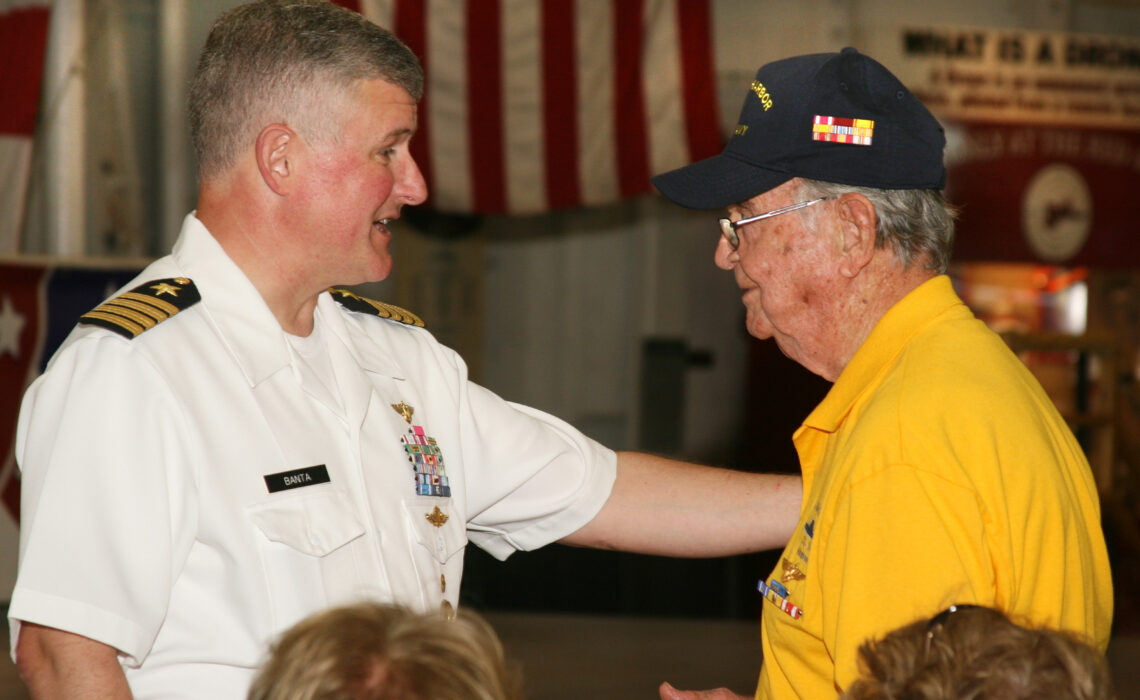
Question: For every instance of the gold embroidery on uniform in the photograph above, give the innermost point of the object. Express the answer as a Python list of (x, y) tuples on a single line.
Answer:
[(141, 309), (149, 309), (404, 410), (164, 288), (160, 304), (120, 321), (144, 320), (437, 517), (355, 302)]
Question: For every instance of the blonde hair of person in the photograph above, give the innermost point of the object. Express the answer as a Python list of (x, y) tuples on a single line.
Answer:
[(370, 651), (970, 652)]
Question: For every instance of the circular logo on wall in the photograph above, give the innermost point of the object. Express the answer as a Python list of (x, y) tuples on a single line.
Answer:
[(1056, 212)]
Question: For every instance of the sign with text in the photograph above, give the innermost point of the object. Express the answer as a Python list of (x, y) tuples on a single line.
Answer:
[(1043, 137), (1021, 76)]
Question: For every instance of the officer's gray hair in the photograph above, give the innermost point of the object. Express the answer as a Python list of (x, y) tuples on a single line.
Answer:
[(287, 61), (917, 224)]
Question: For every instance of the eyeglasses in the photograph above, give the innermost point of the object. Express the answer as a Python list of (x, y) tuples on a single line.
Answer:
[(934, 626), (728, 227)]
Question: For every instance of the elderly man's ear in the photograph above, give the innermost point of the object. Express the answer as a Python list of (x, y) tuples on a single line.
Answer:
[(858, 223)]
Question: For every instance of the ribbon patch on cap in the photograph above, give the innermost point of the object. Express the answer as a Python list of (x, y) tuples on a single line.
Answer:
[(842, 130)]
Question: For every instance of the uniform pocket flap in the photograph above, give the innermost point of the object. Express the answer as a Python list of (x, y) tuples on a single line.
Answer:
[(315, 524), (436, 526)]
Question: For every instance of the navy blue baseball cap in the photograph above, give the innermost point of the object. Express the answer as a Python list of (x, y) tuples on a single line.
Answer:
[(837, 117)]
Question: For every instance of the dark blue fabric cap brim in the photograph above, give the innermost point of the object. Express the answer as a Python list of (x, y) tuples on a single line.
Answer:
[(716, 182)]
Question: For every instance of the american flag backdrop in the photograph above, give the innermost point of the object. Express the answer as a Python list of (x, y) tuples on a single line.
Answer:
[(530, 105), (536, 105), (20, 334), (23, 40)]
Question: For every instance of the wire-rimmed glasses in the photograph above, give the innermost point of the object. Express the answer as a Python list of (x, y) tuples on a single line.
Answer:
[(728, 227)]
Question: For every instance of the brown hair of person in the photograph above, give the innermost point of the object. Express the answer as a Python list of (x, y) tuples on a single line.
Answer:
[(978, 653), (371, 651)]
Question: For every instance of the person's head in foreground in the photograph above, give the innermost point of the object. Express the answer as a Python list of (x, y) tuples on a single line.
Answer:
[(832, 184), (371, 651), (970, 652)]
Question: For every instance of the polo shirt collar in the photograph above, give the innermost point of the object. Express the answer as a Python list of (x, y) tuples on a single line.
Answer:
[(878, 352)]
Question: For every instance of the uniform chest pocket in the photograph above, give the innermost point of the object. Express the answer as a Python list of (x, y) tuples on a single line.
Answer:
[(306, 562), (436, 527), (315, 524)]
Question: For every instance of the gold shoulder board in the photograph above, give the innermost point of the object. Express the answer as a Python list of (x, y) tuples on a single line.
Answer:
[(144, 307), (364, 305)]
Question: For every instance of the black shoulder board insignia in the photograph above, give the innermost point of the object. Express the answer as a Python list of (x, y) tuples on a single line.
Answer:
[(144, 307), (355, 302)]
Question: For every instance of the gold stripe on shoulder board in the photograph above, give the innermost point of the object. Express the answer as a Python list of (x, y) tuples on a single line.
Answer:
[(144, 307), (354, 302)]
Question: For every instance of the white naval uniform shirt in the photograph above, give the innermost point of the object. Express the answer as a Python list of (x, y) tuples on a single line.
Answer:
[(148, 523)]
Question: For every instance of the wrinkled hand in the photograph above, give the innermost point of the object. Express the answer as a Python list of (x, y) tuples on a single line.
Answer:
[(668, 692)]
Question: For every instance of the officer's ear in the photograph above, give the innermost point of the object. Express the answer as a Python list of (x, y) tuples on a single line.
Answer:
[(858, 223), (276, 157)]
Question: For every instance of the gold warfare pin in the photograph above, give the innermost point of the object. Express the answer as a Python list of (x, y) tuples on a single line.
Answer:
[(404, 410)]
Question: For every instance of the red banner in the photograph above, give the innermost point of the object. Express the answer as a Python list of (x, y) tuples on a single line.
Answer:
[(1050, 194), (23, 37)]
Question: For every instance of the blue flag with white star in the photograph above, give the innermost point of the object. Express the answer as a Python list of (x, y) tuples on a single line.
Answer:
[(39, 305)]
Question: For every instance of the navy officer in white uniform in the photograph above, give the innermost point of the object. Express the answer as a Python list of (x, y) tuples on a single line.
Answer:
[(227, 446)]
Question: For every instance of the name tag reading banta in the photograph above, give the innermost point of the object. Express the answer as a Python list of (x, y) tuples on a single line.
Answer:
[(308, 476)]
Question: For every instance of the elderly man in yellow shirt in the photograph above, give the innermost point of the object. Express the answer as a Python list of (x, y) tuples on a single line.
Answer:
[(936, 471)]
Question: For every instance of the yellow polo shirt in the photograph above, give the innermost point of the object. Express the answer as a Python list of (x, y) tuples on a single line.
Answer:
[(936, 471)]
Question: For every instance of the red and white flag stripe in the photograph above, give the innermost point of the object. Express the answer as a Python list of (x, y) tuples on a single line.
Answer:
[(537, 105), (23, 39)]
